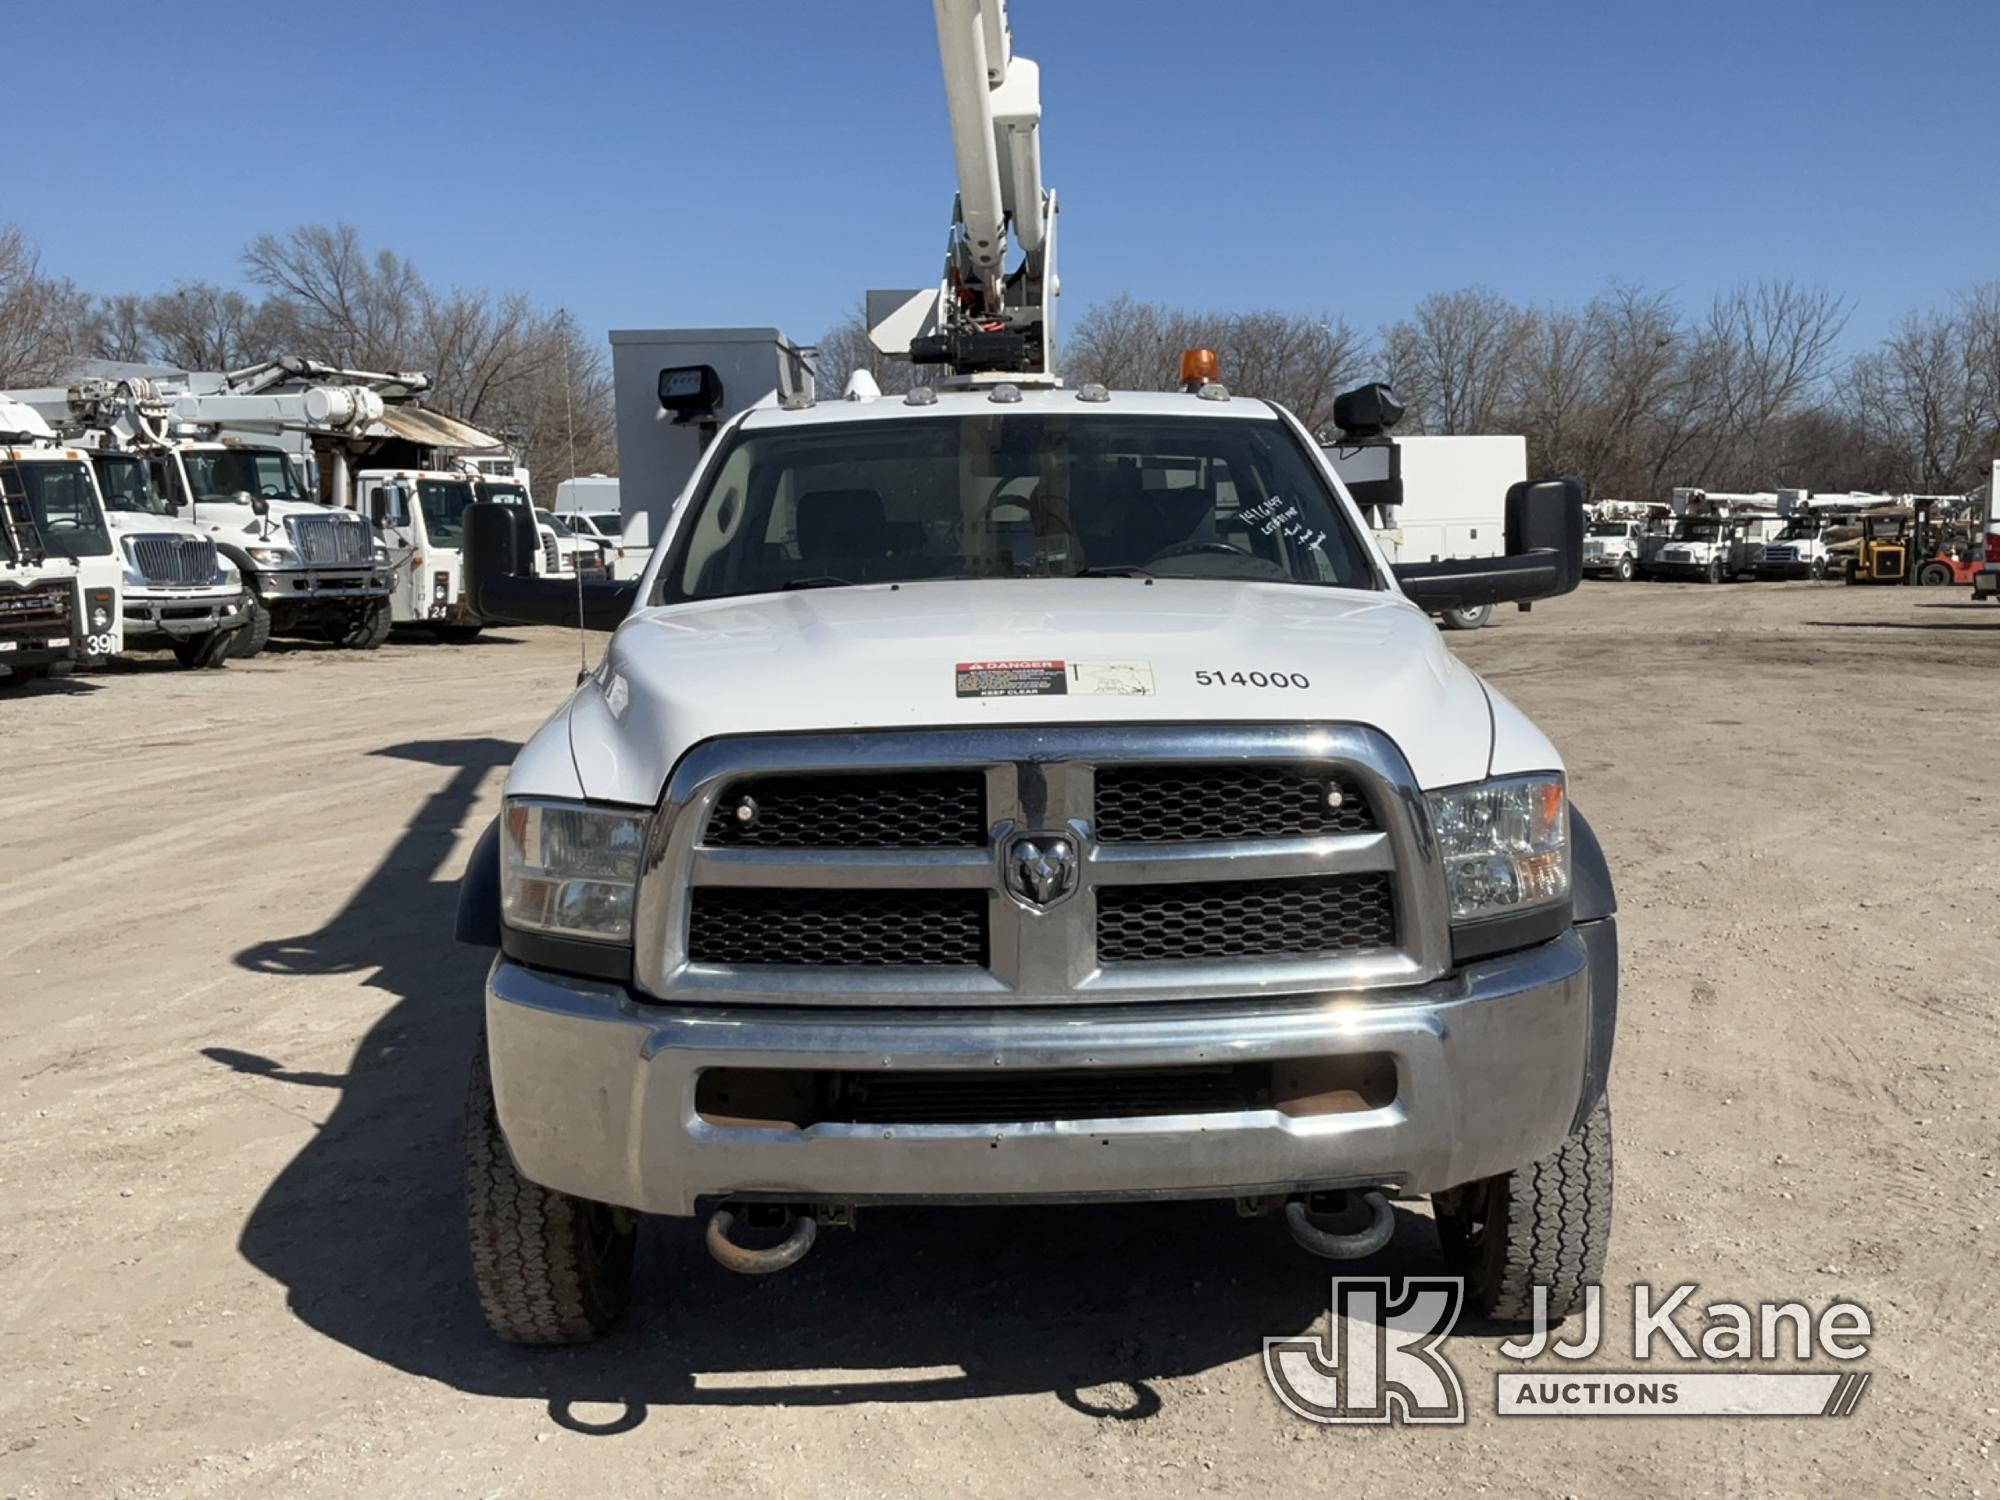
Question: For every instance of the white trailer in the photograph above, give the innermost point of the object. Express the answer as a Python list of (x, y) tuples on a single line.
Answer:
[(1427, 499)]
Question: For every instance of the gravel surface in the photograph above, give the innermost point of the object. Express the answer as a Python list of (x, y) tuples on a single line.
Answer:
[(234, 1034)]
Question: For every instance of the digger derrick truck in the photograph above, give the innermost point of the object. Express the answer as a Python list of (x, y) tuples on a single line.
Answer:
[(379, 454), (307, 568), (1007, 792), (150, 578)]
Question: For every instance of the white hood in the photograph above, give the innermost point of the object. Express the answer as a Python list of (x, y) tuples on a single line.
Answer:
[(886, 657)]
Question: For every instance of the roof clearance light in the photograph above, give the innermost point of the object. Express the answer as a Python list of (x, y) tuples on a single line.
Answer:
[(1199, 367)]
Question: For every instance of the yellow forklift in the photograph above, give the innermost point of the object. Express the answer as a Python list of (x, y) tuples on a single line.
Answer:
[(1881, 552)]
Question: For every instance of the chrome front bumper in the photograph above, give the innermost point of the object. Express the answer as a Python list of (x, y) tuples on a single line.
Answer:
[(596, 1091), (345, 581), (178, 616)]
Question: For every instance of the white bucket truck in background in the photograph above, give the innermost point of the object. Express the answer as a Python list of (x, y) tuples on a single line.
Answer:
[(1615, 537), (1799, 548), (1716, 537), (1427, 499)]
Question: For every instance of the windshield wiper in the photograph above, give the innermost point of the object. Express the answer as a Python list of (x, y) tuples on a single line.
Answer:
[(1112, 570), (820, 581)]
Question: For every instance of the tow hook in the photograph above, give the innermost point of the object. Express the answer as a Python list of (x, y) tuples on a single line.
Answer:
[(800, 1232), (1365, 1241)]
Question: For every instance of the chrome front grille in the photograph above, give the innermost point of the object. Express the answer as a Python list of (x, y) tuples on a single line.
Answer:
[(34, 612), (886, 868), (336, 539), (551, 555), (906, 809), (1167, 804), (175, 561), (876, 929), (1246, 918)]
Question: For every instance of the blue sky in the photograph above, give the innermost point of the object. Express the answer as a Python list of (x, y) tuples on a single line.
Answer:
[(669, 164)]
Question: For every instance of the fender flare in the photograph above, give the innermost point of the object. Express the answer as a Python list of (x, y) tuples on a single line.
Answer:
[(1595, 907), (479, 892)]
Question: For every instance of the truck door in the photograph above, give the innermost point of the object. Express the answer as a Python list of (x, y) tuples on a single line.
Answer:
[(390, 505)]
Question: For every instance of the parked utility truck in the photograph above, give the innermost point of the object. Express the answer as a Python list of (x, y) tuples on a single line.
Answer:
[(53, 613), (1716, 538), (1614, 539), (1007, 793), (307, 568)]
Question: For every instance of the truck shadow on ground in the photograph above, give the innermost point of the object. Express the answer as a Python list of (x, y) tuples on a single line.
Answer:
[(1095, 1306)]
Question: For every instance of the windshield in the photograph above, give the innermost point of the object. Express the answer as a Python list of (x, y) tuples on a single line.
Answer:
[(553, 524), (1608, 528), (62, 502), (127, 485), (1705, 529), (1800, 529), (444, 502), (1012, 496), (502, 494), (223, 474)]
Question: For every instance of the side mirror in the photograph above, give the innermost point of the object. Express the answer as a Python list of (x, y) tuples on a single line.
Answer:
[(1544, 557), (1366, 412), (385, 505), (501, 542), (260, 506)]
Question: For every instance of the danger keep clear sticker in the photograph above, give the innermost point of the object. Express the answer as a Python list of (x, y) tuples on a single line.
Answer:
[(1054, 679)]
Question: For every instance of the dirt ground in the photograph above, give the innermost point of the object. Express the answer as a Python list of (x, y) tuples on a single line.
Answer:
[(234, 1033)]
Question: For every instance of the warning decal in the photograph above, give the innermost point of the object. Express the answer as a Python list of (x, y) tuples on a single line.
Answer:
[(1011, 679), (1045, 679)]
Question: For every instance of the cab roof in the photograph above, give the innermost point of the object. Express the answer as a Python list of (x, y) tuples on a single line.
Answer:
[(1064, 400)]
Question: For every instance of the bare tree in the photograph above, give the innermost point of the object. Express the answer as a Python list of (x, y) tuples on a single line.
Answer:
[(1452, 360), (353, 309), (45, 324)]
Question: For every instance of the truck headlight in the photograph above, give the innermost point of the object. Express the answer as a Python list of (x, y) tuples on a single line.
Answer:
[(277, 557), (1505, 844), (569, 869)]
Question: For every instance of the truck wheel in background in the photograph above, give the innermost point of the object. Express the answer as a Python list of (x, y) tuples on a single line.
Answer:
[(1933, 575), (1466, 619), (457, 634), (1626, 571), (364, 630), (1714, 572), (1544, 1224), (1818, 569), (206, 651), (255, 633), (549, 1268)]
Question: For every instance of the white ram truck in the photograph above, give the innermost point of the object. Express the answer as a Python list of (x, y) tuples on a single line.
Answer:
[(1012, 795)]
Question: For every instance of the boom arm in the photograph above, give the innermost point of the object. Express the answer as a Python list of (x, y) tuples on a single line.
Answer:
[(984, 319)]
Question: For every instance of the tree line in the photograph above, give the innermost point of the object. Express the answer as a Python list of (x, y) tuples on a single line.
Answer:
[(1629, 392), (523, 372)]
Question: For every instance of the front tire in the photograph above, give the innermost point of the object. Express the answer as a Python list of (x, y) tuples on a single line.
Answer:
[(1544, 1224), (549, 1268), (205, 652), (1466, 619), (1818, 570), (365, 630), (1714, 573), (1627, 570), (1933, 575), (255, 632)]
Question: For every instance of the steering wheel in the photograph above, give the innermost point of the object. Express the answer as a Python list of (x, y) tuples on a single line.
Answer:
[(268, 491), (1191, 549)]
